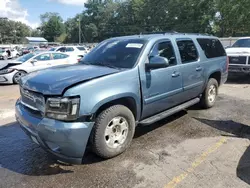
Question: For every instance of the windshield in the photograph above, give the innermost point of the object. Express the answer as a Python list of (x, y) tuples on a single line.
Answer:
[(25, 57), (242, 43), (80, 48), (116, 53)]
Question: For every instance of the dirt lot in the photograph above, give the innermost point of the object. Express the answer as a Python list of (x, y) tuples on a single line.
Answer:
[(194, 148)]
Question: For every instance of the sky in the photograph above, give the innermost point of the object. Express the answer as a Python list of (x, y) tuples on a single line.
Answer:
[(28, 11)]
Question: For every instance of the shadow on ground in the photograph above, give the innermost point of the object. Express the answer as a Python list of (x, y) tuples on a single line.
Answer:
[(19, 154), (238, 79), (238, 130)]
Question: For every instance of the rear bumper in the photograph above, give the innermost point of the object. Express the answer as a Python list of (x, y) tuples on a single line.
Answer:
[(224, 78), (67, 141)]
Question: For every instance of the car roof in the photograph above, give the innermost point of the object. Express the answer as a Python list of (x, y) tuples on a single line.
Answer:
[(244, 38), (173, 35)]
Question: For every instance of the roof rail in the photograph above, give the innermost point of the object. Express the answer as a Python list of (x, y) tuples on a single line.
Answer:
[(158, 32)]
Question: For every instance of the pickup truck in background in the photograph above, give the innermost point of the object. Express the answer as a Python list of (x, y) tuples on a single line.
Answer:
[(123, 82), (239, 57)]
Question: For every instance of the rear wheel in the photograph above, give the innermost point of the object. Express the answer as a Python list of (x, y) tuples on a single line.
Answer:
[(113, 131), (209, 96), (18, 76)]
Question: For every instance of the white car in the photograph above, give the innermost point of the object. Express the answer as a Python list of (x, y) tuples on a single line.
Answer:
[(72, 50), (239, 56), (8, 53), (13, 71)]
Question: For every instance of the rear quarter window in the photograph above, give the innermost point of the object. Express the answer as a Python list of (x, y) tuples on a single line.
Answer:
[(212, 47)]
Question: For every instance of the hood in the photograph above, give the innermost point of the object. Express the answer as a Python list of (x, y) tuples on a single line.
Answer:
[(7, 64), (237, 51), (55, 80)]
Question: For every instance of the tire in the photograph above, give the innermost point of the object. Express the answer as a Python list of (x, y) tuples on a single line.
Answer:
[(210, 93), (17, 76), (109, 136), (17, 55), (5, 58)]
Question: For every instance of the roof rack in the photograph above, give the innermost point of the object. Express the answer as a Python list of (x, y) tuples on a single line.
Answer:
[(158, 32)]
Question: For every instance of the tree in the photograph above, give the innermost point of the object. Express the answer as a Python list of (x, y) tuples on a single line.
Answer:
[(51, 26)]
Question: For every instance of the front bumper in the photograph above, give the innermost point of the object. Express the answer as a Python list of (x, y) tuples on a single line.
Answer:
[(7, 78), (242, 69), (65, 140)]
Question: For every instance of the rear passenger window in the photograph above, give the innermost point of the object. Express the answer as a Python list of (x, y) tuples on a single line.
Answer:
[(187, 51), (212, 47), (165, 49), (69, 49)]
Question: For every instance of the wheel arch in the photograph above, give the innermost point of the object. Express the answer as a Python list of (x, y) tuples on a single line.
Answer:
[(130, 102)]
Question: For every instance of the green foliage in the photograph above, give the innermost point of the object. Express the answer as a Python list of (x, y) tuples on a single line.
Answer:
[(13, 32), (103, 19), (51, 26)]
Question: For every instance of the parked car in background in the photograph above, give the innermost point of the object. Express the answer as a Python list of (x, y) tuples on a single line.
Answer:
[(8, 53), (13, 71), (77, 50), (123, 82), (239, 57)]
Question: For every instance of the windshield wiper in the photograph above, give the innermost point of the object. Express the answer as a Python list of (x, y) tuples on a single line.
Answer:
[(106, 65)]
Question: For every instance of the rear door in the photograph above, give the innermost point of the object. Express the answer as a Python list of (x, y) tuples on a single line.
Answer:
[(192, 69), (59, 59)]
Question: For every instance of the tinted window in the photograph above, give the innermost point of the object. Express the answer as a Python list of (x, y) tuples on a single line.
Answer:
[(59, 56), (43, 57), (165, 49), (117, 53), (62, 49), (69, 49), (212, 47), (52, 49), (81, 48), (187, 50), (242, 43)]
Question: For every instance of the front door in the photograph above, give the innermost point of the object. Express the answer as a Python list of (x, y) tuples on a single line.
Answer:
[(42, 61), (162, 87), (192, 69)]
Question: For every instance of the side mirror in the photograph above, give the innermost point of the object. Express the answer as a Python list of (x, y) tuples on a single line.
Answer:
[(157, 62), (33, 61)]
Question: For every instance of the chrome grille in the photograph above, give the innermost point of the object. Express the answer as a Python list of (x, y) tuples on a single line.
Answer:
[(240, 60), (32, 100)]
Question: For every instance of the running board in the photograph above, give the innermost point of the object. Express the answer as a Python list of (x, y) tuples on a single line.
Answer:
[(169, 112)]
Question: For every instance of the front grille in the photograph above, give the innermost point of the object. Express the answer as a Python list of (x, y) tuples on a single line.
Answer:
[(33, 100), (240, 60)]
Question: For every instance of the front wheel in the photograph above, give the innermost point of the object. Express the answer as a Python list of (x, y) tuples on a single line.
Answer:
[(18, 76), (113, 131), (209, 96)]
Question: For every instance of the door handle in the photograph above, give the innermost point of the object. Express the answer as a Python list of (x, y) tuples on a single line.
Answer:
[(198, 69), (176, 74)]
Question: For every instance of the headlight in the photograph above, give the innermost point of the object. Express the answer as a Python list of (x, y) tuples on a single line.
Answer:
[(64, 108), (6, 71)]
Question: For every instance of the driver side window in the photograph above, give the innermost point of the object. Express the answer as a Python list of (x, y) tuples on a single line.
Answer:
[(165, 49)]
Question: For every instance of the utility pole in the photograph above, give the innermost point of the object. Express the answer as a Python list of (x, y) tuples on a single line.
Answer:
[(79, 19)]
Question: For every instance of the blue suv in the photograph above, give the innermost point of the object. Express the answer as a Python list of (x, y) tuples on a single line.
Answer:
[(121, 83)]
